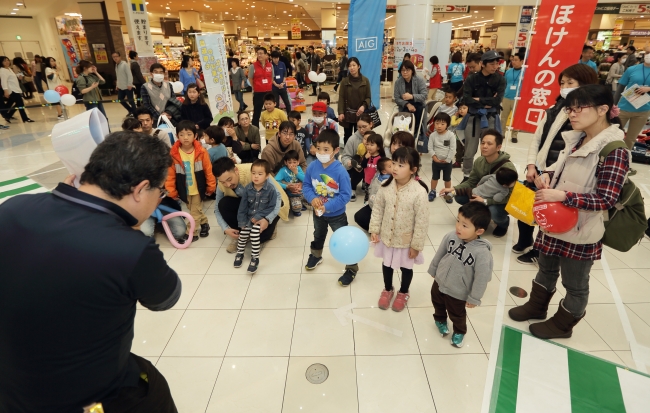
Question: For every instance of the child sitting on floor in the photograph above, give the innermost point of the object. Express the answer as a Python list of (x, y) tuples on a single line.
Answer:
[(291, 176)]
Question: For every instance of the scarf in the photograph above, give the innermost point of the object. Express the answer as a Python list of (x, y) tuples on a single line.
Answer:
[(159, 95)]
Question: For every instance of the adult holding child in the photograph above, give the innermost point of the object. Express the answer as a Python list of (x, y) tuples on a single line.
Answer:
[(354, 98), (546, 145), (231, 182), (579, 179)]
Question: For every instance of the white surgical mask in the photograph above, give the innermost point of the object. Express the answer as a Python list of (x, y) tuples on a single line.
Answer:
[(319, 119), (623, 60), (203, 141), (158, 78), (565, 91), (646, 58), (323, 158)]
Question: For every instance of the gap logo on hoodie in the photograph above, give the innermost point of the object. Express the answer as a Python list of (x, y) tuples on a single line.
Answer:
[(459, 253)]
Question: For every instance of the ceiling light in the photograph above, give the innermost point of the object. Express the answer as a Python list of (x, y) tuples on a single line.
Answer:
[(13, 12), (475, 11), (457, 18), (253, 6), (392, 15), (226, 12), (17, 10), (167, 8), (19, 4)]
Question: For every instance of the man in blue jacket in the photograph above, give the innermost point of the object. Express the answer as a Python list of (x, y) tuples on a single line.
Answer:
[(279, 84)]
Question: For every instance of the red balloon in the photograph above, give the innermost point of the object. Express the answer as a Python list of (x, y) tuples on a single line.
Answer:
[(61, 90), (555, 217), (181, 99)]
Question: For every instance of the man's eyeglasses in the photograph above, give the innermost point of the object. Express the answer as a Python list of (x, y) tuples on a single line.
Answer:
[(576, 109), (285, 133)]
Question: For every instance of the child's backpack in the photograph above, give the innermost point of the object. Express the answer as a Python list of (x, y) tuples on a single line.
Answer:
[(625, 223)]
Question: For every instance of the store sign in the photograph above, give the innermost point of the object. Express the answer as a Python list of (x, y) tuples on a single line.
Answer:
[(635, 8), (306, 35), (644, 33), (212, 53), (491, 29), (441, 8), (101, 57), (137, 21), (561, 29), (608, 8), (523, 26), (170, 27), (295, 29), (414, 47)]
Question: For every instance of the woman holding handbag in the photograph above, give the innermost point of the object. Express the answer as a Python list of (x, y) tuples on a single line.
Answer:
[(354, 98), (53, 80), (238, 79)]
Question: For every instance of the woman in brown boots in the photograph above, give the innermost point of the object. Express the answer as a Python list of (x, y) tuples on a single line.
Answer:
[(577, 181)]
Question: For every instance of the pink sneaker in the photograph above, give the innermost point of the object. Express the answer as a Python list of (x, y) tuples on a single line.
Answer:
[(400, 302), (385, 298)]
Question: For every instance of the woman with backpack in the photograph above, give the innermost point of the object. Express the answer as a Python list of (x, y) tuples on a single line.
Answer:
[(579, 179), (546, 145), (88, 83)]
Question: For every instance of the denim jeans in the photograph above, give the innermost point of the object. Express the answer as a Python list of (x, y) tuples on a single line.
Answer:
[(239, 96), (498, 211), (176, 225), (38, 80), (126, 100), (320, 228), (575, 278)]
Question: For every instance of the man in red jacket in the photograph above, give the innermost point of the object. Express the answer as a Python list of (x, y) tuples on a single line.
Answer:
[(260, 75)]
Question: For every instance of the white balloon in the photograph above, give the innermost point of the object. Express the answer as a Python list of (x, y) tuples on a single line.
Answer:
[(68, 100), (313, 76), (321, 78), (178, 87)]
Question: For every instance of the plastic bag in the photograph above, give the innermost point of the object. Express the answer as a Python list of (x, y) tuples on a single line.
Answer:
[(166, 124), (401, 123), (520, 204)]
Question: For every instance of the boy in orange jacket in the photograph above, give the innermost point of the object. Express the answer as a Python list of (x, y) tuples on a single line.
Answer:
[(190, 176)]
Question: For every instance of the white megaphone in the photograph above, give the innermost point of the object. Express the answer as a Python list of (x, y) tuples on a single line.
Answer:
[(75, 140)]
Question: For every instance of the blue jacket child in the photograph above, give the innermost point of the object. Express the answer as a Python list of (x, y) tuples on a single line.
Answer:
[(256, 204)]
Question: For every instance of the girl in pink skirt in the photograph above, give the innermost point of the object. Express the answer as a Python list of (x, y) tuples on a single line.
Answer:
[(398, 227)]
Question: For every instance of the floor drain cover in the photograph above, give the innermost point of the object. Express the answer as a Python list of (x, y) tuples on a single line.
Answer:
[(317, 373), (518, 292)]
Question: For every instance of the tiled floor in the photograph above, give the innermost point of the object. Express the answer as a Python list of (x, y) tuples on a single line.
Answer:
[(236, 343)]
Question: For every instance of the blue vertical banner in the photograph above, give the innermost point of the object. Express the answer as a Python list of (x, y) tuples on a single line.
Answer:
[(366, 39)]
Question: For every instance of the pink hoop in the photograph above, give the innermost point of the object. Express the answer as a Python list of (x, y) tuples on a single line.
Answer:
[(169, 232)]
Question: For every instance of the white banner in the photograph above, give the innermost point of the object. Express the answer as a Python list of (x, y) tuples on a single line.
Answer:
[(212, 52), (137, 21), (524, 26)]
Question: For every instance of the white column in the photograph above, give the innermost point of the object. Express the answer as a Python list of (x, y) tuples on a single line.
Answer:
[(413, 23)]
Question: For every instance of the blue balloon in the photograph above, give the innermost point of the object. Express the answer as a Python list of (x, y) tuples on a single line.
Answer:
[(52, 96), (349, 245), (163, 126)]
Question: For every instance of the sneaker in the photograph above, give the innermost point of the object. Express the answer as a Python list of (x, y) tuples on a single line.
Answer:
[(449, 198), (232, 247), (32, 121), (60, 117), (186, 237), (4, 127), (353, 198), (304, 208), (297, 213), (313, 261), (385, 298), (499, 232), (457, 340), (205, 230), (432, 195), (632, 172), (252, 267), (347, 277), (239, 258), (442, 328), (529, 258), (519, 249), (400, 301), (514, 139), (456, 165)]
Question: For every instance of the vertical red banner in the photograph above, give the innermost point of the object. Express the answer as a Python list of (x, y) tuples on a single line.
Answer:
[(560, 29)]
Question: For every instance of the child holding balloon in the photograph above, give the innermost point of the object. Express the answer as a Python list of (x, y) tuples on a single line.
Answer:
[(398, 226)]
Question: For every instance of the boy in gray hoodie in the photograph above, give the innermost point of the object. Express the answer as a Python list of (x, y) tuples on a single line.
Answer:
[(462, 267), (496, 186)]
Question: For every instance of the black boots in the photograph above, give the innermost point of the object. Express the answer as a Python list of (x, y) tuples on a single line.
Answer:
[(559, 326), (536, 307)]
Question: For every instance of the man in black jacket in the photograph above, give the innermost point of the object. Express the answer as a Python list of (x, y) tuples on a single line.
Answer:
[(482, 93), (67, 313)]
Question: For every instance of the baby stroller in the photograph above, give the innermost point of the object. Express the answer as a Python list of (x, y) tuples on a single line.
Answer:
[(398, 121), (426, 123)]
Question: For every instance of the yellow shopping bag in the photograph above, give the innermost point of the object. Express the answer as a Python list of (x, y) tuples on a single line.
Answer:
[(520, 204)]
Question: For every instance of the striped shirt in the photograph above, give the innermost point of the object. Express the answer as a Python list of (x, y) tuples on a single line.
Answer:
[(610, 180)]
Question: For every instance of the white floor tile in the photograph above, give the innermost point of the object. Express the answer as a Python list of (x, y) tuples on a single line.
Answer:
[(371, 341), (153, 329), (337, 394), (632, 287), (190, 284), (393, 384), (202, 333), (272, 291), (262, 333), (319, 333), (249, 384), (430, 341), (322, 291), (192, 260), (191, 380), (457, 381), (220, 292)]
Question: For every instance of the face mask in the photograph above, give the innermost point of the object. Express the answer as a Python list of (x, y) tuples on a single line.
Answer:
[(383, 177), (623, 60), (565, 91), (323, 158), (319, 119), (646, 58), (203, 141), (158, 78)]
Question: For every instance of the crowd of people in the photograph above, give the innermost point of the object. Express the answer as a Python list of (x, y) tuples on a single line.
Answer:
[(299, 169)]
